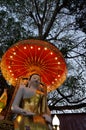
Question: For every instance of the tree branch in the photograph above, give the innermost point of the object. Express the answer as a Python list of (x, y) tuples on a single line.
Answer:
[(67, 98), (56, 11), (37, 10), (79, 54), (67, 107), (45, 8), (57, 34)]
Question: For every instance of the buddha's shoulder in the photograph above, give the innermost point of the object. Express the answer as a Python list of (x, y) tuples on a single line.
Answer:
[(22, 87)]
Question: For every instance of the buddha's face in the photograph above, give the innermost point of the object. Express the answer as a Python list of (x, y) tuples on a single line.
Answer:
[(35, 78)]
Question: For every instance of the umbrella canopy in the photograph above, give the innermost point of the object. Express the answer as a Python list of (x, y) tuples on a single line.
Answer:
[(34, 56)]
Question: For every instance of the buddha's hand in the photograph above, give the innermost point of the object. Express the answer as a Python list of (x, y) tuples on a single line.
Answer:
[(47, 117), (26, 113)]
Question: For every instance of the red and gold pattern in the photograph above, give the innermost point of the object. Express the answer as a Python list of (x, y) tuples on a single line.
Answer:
[(34, 56)]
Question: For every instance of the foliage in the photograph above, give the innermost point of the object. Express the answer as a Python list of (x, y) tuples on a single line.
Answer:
[(78, 7)]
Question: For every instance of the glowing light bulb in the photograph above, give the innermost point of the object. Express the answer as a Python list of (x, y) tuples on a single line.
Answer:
[(59, 63), (14, 53), (25, 47), (45, 48), (31, 47), (11, 56), (39, 48), (56, 58), (51, 53)]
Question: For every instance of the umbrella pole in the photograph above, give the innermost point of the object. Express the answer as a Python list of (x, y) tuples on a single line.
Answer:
[(45, 91)]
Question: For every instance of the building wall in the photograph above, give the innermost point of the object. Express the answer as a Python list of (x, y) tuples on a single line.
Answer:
[(72, 121)]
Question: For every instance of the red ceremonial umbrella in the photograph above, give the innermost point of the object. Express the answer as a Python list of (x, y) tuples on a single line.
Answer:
[(34, 56)]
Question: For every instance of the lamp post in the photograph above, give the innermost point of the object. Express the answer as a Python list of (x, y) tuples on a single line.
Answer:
[(55, 123)]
